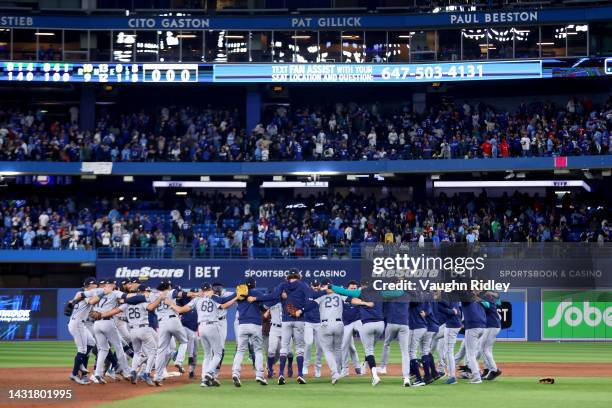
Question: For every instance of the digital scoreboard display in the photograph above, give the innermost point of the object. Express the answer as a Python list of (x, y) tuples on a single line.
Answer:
[(376, 73), (102, 72), (186, 73)]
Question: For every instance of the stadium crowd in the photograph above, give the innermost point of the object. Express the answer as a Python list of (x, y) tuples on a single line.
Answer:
[(327, 224), (338, 132)]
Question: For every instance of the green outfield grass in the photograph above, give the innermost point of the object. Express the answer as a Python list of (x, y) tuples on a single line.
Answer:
[(61, 353), (357, 392)]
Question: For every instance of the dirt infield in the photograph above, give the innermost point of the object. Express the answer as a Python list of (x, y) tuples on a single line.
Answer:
[(92, 395)]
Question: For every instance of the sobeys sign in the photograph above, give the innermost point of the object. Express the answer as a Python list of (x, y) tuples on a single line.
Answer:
[(576, 315)]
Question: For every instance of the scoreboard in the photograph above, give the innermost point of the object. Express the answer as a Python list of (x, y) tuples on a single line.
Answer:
[(377, 73), (104, 72), (176, 73)]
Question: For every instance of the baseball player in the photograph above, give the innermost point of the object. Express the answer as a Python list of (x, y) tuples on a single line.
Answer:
[(189, 320), (492, 329), (452, 311), (331, 330), (372, 323), (126, 286), (427, 359), (222, 313), (105, 330), (80, 333), (209, 327), (249, 331), (169, 326), (352, 324), (437, 342), (312, 324), (273, 313), (296, 293), (417, 321), (396, 315), (142, 336), (474, 321)]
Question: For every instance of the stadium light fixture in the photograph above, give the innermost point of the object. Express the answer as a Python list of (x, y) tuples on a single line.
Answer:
[(199, 184), (44, 34), (295, 184), (315, 173)]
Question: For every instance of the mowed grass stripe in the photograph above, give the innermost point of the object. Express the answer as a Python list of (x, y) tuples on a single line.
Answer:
[(357, 392), (53, 354)]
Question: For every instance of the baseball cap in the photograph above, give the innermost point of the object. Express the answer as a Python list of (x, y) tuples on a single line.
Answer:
[(134, 280), (251, 282), (206, 286), (315, 282), (326, 281), (124, 281), (89, 281), (142, 287), (164, 284), (111, 281), (102, 282)]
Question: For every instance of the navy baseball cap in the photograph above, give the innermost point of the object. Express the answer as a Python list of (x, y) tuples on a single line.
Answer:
[(124, 281), (102, 282), (89, 281), (206, 286), (134, 280), (111, 281), (164, 284), (251, 282), (326, 281), (142, 287), (315, 282)]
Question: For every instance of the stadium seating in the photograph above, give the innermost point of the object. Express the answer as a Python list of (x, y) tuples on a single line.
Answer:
[(339, 132)]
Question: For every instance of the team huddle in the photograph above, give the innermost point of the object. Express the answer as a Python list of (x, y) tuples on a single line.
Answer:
[(128, 320)]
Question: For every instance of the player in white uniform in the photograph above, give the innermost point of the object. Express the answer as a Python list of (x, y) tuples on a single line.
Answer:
[(169, 326), (331, 331), (141, 334), (82, 336), (105, 330), (207, 306), (219, 291)]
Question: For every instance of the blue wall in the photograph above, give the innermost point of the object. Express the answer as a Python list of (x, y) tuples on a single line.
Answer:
[(333, 167)]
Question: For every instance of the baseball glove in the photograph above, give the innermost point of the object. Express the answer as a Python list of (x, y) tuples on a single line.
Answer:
[(68, 308), (95, 315), (242, 291), (293, 310)]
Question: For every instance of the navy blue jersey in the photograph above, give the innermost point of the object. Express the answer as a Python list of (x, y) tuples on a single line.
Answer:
[(493, 318), (311, 312), (415, 320), (248, 313), (396, 313), (298, 294), (371, 314), (350, 313), (453, 321), (473, 315), (433, 323), (189, 319)]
